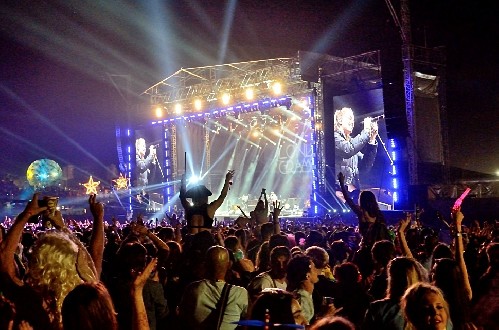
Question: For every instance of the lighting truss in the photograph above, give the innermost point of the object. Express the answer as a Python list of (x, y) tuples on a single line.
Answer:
[(209, 82), (261, 105), (363, 69)]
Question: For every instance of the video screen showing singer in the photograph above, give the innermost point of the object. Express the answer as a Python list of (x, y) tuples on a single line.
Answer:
[(352, 153), (143, 162)]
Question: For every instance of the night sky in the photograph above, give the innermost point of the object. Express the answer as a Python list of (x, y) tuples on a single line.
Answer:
[(57, 98)]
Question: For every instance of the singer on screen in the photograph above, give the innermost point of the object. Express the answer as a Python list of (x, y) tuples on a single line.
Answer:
[(143, 163), (353, 152)]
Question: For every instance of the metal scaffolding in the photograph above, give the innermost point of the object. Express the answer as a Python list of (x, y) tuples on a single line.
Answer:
[(209, 82)]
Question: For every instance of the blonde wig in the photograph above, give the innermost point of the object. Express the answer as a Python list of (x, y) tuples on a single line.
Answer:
[(52, 270)]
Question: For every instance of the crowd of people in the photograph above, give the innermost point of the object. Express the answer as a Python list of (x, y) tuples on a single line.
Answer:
[(189, 273)]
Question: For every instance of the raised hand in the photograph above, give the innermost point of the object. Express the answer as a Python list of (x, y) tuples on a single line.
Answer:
[(141, 279), (96, 208), (277, 208), (152, 150), (404, 223), (367, 124), (458, 217), (32, 208), (229, 175), (139, 229)]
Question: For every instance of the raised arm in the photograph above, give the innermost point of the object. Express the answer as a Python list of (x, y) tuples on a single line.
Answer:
[(218, 202), (266, 202), (96, 247), (139, 316), (144, 231), (275, 216), (355, 208), (401, 235), (458, 218), (9, 244)]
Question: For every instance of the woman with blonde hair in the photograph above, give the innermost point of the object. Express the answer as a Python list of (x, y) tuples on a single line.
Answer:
[(425, 308)]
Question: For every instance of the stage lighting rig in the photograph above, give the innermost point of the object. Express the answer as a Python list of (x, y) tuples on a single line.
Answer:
[(198, 104), (225, 98), (178, 108), (250, 94), (159, 112)]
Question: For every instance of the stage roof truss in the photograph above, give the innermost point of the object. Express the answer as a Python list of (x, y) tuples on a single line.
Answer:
[(207, 83), (363, 70)]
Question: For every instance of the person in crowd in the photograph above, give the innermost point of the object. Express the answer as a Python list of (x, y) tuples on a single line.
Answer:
[(487, 291), (200, 214), (325, 286), (425, 308), (339, 252), (349, 294), (8, 316), (348, 150), (385, 313), (271, 237), (371, 226), (58, 263), (89, 306), (232, 244), (382, 252), (201, 306), (277, 307), (302, 277), (261, 211), (315, 238), (276, 276), (139, 314), (262, 248), (451, 276), (132, 260), (333, 323)]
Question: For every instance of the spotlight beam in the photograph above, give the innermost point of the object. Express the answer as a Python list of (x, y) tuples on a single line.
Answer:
[(53, 127)]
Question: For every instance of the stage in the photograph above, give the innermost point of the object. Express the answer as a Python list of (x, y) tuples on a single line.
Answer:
[(271, 121)]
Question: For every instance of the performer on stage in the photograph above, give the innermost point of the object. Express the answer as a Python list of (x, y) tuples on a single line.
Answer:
[(352, 152), (143, 163)]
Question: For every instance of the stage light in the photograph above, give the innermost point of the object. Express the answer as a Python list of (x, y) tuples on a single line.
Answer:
[(194, 179), (226, 98), (198, 104), (159, 112), (250, 94), (178, 108), (277, 88), (256, 133)]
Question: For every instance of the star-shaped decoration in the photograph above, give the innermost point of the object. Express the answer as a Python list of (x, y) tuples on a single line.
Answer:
[(121, 182), (91, 186)]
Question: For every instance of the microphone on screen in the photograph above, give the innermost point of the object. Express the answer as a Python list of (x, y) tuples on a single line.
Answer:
[(374, 119)]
